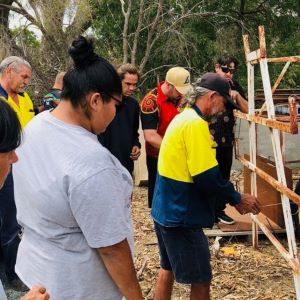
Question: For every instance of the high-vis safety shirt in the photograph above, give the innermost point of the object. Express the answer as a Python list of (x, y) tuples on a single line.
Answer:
[(188, 178)]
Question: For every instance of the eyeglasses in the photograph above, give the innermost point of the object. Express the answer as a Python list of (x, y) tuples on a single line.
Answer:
[(227, 69), (115, 98)]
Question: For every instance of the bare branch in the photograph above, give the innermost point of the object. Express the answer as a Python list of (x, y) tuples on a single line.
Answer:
[(123, 7), (126, 15), (18, 3), (78, 19), (4, 13), (155, 69), (191, 15), (137, 32), (34, 9), (150, 36), (23, 12)]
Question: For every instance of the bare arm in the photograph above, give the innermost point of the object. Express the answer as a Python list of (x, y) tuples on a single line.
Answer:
[(243, 104), (119, 264), (36, 293), (152, 137)]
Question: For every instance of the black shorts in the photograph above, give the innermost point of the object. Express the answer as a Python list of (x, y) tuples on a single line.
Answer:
[(185, 252)]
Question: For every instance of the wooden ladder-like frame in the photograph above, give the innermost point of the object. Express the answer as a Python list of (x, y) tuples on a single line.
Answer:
[(260, 57)]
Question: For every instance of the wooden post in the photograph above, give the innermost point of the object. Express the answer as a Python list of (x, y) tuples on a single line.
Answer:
[(276, 84), (260, 56), (252, 132)]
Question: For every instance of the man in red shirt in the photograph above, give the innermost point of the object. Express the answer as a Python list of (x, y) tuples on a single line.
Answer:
[(158, 108)]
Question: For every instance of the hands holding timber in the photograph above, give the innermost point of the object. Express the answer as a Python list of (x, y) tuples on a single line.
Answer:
[(248, 204)]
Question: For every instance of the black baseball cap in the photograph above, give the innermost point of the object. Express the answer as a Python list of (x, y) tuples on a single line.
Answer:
[(215, 82)]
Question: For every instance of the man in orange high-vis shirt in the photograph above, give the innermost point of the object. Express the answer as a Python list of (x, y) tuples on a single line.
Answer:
[(15, 76)]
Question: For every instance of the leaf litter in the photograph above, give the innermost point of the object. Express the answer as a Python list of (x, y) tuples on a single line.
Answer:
[(239, 271)]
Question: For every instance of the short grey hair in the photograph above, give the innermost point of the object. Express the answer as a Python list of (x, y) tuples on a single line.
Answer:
[(196, 92), (14, 62)]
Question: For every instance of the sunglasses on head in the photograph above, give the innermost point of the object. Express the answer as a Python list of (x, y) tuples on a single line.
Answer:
[(226, 69)]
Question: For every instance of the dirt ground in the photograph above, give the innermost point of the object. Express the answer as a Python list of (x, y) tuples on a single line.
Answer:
[(240, 272)]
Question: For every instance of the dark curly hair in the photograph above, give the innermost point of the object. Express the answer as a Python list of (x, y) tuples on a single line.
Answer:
[(226, 60)]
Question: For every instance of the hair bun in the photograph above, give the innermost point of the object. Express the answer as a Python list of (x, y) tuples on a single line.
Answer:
[(82, 52)]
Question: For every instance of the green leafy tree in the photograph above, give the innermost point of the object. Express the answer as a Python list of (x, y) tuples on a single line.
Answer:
[(58, 21), (156, 34), (25, 38)]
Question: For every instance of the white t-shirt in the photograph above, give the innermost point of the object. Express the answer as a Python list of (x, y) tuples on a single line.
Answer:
[(72, 196), (2, 293)]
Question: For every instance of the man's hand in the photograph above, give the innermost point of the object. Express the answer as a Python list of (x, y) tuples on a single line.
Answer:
[(36, 293), (234, 95), (239, 100), (248, 204), (135, 153)]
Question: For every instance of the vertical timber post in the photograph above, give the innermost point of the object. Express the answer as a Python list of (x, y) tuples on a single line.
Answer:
[(275, 137), (252, 132)]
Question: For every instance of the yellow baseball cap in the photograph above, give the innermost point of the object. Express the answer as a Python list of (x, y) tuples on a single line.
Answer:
[(180, 78)]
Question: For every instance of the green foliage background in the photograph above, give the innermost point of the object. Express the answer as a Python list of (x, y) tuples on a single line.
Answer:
[(209, 29), (197, 42)]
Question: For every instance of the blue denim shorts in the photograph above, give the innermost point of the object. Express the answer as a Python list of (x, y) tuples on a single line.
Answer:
[(185, 252)]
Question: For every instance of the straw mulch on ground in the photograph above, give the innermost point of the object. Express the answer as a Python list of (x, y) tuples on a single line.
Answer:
[(240, 272)]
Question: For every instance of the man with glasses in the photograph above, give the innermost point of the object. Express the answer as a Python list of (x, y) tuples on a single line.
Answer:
[(222, 126), (158, 108), (15, 76), (187, 187)]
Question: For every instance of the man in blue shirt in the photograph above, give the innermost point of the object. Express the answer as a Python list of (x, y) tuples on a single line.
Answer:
[(186, 190)]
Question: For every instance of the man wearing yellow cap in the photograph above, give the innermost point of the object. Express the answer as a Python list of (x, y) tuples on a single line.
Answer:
[(158, 108)]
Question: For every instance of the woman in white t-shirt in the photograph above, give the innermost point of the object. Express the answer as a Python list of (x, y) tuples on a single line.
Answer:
[(72, 195)]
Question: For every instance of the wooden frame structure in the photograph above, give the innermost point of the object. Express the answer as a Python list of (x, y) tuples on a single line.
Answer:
[(260, 57)]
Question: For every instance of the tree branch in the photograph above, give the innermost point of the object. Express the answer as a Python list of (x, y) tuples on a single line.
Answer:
[(23, 12), (4, 13), (126, 15), (137, 32), (157, 68), (34, 9), (78, 18), (150, 36)]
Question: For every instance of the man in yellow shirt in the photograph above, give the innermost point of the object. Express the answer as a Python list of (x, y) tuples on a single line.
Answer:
[(15, 76), (188, 185)]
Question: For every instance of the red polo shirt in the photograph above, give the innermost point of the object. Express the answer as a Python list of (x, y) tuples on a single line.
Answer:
[(156, 113)]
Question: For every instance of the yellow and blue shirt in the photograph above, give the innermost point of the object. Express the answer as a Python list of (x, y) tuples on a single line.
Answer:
[(24, 110), (189, 179)]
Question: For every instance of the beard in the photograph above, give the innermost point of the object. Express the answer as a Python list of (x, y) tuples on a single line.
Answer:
[(214, 114), (174, 100)]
